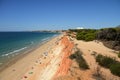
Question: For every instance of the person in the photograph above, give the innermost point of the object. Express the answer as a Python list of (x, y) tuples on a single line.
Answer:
[(45, 53)]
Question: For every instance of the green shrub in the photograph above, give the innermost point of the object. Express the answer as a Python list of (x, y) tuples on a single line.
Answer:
[(86, 34), (72, 56), (79, 59), (110, 63), (80, 35), (76, 55), (89, 37), (115, 69), (105, 61), (119, 54), (83, 64)]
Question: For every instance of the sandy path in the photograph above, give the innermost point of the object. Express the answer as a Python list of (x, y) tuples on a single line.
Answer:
[(28, 63), (87, 48)]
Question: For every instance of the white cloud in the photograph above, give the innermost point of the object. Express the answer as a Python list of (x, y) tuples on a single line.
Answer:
[(80, 28)]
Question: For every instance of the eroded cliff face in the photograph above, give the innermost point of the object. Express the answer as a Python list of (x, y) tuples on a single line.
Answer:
[(65, 62), (95, 71)]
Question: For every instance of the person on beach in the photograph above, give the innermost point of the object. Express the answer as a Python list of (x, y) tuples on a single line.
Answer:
[(45, 53)]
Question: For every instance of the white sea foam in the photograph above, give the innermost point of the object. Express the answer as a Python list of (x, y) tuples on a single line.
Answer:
[(45, 39), (32, 42), (55, 35), (1, 63), (15, 51)]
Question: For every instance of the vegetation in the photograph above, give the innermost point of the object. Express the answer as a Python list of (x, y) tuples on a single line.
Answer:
[(115, 69), (119, 54), (109, 36), (86, 34), (105, 61), (98, 74), (79, 59), (110, 63)]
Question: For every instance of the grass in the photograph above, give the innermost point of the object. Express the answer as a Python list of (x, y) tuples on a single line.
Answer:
[(79, 59)]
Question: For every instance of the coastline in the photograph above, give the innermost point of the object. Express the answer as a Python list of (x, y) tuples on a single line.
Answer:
[(24, 53), (28, 54), (20, 42), (51, 61)]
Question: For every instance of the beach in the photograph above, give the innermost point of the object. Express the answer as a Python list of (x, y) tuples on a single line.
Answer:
[(51, 61), (47, 62), (28, 62), (60, 40)]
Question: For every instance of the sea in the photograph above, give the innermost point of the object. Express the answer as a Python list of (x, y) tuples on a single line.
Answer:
[(13, 44)]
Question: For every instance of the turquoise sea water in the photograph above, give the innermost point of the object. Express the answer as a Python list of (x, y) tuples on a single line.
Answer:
[(13, 43)]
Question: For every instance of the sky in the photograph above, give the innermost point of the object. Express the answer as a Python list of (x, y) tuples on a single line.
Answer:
[(23, 15)]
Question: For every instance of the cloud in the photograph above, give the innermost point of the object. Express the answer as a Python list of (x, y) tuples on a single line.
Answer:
[(79, 28)]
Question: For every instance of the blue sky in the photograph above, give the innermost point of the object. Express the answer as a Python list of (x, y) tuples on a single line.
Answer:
[(20, 15)]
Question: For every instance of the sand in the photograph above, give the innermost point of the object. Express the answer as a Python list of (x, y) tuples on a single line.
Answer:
[(75, 73), (87, 48), (51, 62), (31, 65)]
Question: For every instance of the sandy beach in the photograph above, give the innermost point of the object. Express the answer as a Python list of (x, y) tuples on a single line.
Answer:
[(59, 39), (27, 65), (51, 62)]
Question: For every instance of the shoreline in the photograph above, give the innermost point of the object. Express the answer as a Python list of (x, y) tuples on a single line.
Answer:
[(17, 49), (50, 61), (24, 53), (27, 53)]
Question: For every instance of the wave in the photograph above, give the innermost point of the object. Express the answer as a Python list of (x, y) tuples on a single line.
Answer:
[(45, 39), (15, 51), (55, 35), (32, 42), (1, 63)]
